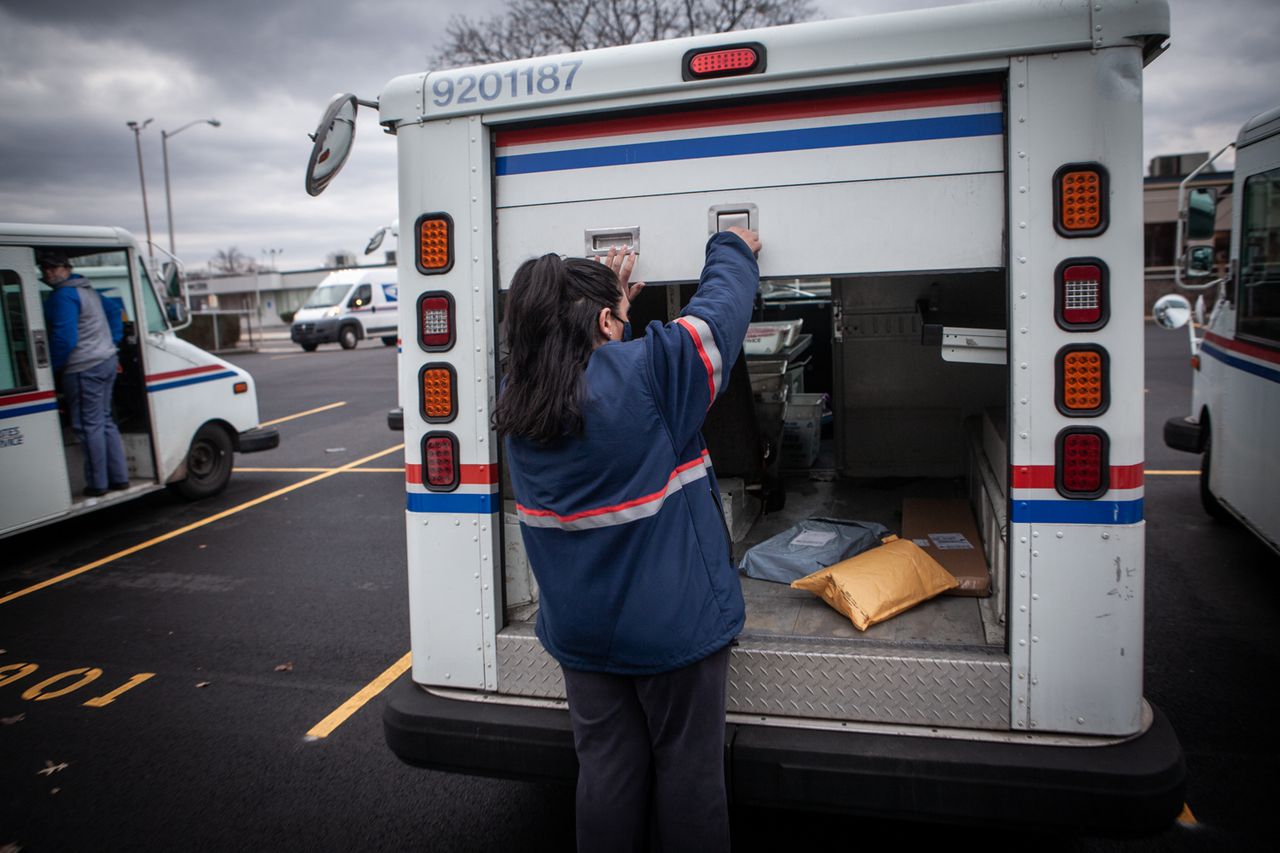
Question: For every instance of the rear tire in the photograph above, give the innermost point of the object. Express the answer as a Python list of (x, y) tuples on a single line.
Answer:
[(1207, 499), (347, 337), (209, 461), (309, 347), (389, 340)]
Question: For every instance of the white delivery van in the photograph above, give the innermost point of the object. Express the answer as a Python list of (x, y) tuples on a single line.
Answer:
[(1235, 396), (945, 198), (347, 306), (181, 411)]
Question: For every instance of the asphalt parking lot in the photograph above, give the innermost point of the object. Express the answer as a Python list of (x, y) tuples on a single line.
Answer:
[(211, 681)]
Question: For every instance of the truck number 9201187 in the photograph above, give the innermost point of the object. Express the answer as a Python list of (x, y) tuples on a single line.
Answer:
[(527, 81)]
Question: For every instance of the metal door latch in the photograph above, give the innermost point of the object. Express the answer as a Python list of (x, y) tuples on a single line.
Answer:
[(600, 240)]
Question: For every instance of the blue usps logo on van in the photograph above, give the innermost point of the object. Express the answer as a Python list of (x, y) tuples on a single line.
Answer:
[(391, 291)]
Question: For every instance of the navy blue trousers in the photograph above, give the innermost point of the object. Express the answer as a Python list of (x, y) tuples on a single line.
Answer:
[(651, 758), (88, 398)]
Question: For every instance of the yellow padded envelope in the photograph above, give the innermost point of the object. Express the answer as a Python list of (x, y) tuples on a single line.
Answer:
[(879, 584)]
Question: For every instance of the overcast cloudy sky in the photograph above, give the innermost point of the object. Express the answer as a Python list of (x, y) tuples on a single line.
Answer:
[(73, 72)]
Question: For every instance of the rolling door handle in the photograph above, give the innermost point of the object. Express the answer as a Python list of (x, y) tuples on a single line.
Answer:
[(722, 217)]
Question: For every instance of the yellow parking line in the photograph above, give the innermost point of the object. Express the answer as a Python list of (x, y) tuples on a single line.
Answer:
[(304, 414), (343, 712), (1170, 473), (196, 525), (1187, 818)]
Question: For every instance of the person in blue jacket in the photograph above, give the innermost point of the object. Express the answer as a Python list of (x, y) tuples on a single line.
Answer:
[(84, 329), (621, 520)]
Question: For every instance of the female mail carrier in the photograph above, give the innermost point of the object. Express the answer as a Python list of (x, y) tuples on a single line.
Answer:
[(620, 517)]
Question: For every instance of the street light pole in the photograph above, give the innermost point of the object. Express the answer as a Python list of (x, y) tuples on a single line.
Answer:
[(258, 296), (146, 213), (164, 150)]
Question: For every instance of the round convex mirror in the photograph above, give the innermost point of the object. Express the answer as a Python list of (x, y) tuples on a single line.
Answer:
[(333, 139), (1172, 311), (375, 241)]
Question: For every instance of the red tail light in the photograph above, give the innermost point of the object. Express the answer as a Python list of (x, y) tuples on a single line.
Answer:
[(440, 468), (435, 321), (725, 61), (1083, 463), (1081, 299)]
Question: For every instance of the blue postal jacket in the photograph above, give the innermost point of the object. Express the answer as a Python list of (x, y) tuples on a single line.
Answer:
[(622, 524)]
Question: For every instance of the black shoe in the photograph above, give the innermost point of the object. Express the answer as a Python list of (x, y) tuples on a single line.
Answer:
[(91, 492), (118, 487)]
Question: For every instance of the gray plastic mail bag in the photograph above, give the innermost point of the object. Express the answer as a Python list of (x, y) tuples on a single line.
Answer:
[(813, 544)]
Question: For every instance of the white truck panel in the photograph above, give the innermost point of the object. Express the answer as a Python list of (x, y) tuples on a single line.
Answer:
[(796, 222), (1058, 648), (453, 537), (860, 162)]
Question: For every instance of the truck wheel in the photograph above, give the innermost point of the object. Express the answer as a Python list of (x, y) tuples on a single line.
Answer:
[(208, 464), (1207, 499), (389, 340), (309, 347), (347, 337)]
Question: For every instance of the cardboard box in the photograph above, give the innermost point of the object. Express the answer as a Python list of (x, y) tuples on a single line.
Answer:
[(945, 529)]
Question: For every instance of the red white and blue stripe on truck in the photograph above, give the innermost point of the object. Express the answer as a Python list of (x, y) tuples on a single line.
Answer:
[(477, 491), (796, 124), (18, 405), (1035, 499), (189, 376), (1242, 355)]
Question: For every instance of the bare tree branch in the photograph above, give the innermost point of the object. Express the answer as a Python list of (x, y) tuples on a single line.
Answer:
[(541, 27)]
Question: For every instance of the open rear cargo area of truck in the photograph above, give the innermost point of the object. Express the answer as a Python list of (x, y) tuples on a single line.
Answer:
[(872, 410)]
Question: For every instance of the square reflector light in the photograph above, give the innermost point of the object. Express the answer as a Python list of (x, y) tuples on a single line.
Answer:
[(1081, 298), (1080, 200), (440, 468), (434, 233), (1082, 381), (438, 400), (1083, 463), (435, 321)]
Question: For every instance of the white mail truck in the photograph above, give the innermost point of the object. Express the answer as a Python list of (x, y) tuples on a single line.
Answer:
[(951, 202), (182, 412), (1235, 390), (348, 306)]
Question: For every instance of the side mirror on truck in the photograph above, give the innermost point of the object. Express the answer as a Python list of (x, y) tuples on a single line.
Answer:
[(1202, 212), (176, 309), (1172, 311), (332, 142), (1197, 262)]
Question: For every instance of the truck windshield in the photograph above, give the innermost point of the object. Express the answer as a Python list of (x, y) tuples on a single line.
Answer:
[(329, 295)]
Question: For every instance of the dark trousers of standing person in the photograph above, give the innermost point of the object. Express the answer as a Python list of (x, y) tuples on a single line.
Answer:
[(88, 397), (651, 757)]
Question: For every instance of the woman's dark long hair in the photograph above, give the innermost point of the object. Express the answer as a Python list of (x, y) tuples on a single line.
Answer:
[(550, 332)]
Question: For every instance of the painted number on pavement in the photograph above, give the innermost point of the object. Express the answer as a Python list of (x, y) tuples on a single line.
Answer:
[(65, 683)]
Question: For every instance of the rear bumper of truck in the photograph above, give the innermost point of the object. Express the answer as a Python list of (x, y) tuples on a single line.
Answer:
[(1182, 434), (257, 440), (1135, 786)]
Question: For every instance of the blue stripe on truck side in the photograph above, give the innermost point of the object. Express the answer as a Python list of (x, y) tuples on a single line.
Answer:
[(452, 502), (1077, 512), (766, 142), (195, 380)]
